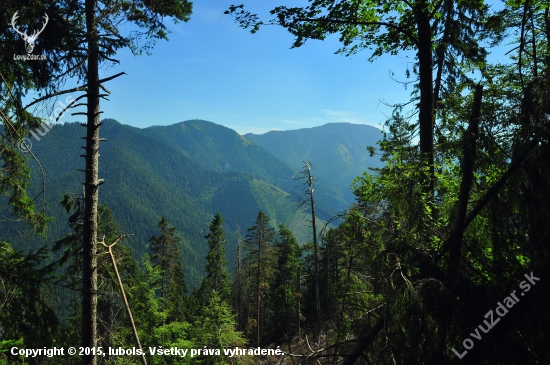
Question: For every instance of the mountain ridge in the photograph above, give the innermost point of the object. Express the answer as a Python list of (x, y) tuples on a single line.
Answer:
[(330, 148), (187, 171)]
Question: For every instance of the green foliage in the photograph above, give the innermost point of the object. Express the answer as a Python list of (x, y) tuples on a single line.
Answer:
[(16, 79), (217, 278), (71, 244), (283, 302), (110, 303), (259, 269), (165, 254), (407, 274), (169, 181), (27, 316), (215, 328), (14, 185), (212, 325), (422, 261)]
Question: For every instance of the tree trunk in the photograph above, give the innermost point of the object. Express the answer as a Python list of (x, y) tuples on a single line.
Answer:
[(315, 250), (316, 254), (426, 109), (453, 271), (91, 185), (468, 161), (441, 50)]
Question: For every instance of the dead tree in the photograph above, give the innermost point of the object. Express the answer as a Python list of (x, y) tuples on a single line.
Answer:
[(307, 199)]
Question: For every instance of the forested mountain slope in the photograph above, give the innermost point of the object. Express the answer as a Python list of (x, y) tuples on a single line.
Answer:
[(337, 151), (222, 149), (187, 171)]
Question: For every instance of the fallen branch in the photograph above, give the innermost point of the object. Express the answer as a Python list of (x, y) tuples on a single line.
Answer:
[(110, 248), (365, 341)]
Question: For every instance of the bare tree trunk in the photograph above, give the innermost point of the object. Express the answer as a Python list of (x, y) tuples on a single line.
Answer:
[(91, 185), (315, 253), (308, 193)]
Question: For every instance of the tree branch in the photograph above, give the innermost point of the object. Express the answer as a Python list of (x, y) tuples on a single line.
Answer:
[(112, 77), (110, 250), (383, 24), (79, 88), (365, 341), (493, 190)]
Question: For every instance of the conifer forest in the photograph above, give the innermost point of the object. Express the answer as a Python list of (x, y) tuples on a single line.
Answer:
[(441, 255)]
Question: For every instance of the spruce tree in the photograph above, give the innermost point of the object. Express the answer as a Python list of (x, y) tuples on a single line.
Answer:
[(329, 272), (109, 299), (217, 278), (259, 242), (26, 313), (283, 302), (239, 285), (176, 295), (166, 256)]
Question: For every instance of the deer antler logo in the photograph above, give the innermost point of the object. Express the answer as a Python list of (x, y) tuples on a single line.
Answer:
[(29, 40)]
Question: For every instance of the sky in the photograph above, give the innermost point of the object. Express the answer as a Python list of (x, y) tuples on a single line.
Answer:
[(213, 70)]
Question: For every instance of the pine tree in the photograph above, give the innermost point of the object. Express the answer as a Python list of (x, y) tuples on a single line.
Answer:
[(217, 278)]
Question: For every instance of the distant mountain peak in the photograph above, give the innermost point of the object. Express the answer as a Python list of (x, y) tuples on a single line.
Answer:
[(337, 151), (332, 126)]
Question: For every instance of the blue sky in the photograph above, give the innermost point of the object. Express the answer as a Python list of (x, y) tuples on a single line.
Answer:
[(211, 69)]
